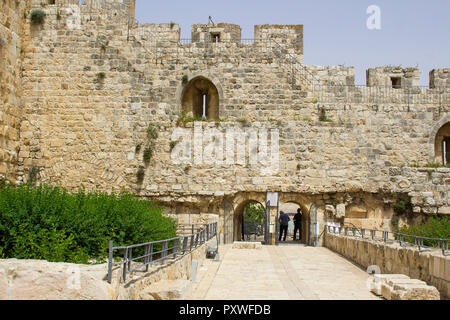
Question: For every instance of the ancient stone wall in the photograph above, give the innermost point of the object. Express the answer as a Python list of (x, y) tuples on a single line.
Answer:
[(431, 267), (383, 76), (333, 75), (289, 36), (94, 85), (12, 15), (440, 78)]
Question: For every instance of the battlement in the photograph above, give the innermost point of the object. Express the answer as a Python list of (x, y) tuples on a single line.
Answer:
[(395, 77), (119, 10)]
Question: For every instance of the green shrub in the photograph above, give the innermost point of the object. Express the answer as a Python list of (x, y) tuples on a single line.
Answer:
[(435, 227), (401, 207), (49, 223), (255, 212), (37, 16)]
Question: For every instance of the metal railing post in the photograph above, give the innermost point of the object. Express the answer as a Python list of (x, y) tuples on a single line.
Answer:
[(124, 269), (110, 261), (176, 244)]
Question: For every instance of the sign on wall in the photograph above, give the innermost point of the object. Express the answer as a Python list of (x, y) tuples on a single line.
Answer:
[(273, 198)]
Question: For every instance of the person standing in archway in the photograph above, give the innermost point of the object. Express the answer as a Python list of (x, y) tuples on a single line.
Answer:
[(284, 223), (298, 224)]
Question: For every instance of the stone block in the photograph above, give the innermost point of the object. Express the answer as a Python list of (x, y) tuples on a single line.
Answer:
[(408, 289), (247, 245), (340, 210), (414, 292), (379, 279)]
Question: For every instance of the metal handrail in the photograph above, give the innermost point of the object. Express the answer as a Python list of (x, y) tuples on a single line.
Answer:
[(173, 247), (391, 237)]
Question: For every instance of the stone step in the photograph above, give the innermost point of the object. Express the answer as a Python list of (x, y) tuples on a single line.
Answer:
[(247, 245)]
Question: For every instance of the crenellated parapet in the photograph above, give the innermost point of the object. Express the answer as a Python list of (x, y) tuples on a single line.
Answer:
[(395, 77), (114, 11)]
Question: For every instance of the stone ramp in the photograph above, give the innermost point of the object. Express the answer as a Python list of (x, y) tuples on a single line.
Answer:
[(286, 272)]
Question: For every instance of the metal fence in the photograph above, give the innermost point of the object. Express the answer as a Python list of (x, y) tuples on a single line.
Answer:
[(139, 257), (380, 95), (405, 240), (253, 229)]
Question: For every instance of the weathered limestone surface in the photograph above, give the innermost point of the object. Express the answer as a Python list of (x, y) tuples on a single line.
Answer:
[(440, 78), (431, 267), (379, 279), (11, 47), (381, 76), (42, 280), (396, 288)]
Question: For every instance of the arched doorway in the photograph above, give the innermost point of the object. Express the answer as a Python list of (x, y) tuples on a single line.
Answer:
[(249, 221), (442, 145), (200, 99), (291, 208)]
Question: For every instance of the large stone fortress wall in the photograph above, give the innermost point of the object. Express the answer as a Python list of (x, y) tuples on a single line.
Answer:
[(93, 82), (11, 33)]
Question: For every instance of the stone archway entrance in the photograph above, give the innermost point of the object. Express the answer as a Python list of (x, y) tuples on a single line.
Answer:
[(234, 210), (249, 221)]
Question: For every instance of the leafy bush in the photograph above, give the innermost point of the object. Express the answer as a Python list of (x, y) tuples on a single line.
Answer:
[(435, 227), (49, 223), (402, 207), (37, 16), (255, 212)]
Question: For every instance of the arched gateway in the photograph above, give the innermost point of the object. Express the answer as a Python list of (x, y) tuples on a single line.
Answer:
[(234, 209)]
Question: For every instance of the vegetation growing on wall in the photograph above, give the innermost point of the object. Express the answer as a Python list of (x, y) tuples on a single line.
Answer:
[(37, 16), (50, 223), (152, 135), (323, 115)]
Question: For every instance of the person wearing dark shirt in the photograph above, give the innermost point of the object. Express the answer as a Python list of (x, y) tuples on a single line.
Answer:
[(284, 222), (298, 224)]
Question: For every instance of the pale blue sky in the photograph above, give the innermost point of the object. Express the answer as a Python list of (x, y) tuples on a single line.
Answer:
[(414, 33)]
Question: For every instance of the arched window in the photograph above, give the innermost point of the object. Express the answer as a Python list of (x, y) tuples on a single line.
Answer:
[(442, 145), (200, 99)]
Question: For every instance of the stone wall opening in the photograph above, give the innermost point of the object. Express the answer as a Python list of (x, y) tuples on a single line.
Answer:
[(200, 99), (396, 82), (442, 145), (291, 208), (215, 37), (249, 221)]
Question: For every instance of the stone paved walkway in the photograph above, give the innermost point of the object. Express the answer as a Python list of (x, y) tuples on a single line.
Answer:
[(286, 272)]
